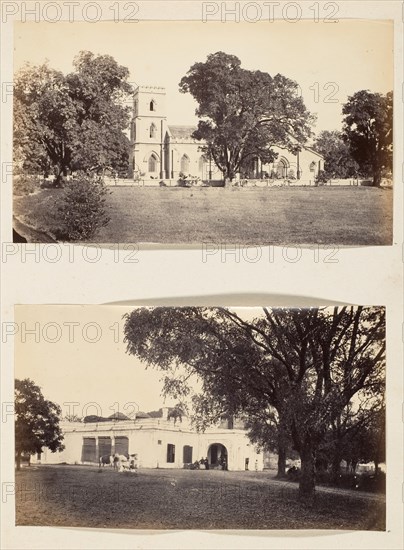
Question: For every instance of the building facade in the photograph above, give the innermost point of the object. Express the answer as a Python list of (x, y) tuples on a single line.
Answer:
[(159, 442), (160, 151)]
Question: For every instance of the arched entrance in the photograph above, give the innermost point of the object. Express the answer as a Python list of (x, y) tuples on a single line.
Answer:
[(217, 456), (282, 168)]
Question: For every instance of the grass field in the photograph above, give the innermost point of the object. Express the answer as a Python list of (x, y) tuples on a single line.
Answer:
[(83, 496), (299, 215)]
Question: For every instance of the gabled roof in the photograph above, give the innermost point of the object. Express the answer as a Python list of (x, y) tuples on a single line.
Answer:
[(181, 132), (313, 151)]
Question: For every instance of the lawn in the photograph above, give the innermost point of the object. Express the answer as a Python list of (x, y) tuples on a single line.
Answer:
[(298, 215), (84, 496)]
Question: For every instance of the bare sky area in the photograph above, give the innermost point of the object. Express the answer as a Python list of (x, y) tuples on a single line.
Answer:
[(329, 61), (77, 354)]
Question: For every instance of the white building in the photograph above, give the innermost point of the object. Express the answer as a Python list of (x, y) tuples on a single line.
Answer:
[(160, 151), (159, 442)]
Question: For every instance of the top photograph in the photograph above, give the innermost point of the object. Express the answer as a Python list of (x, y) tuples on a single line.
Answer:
[(187, 133)]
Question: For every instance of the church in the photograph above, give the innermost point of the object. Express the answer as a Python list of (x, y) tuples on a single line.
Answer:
[(160, 151)]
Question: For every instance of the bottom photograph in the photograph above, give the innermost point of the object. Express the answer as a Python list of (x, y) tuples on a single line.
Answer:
[(200, 417)]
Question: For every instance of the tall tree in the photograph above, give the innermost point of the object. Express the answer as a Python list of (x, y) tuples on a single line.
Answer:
[(244, 113), (307, 364), (368, 130), (266, 429), (338, 161), (36, 421), (73, 122), (42, 111), (354, 434)]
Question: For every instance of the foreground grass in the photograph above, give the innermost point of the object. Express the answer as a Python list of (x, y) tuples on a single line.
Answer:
[(321, 215), (83, 496)]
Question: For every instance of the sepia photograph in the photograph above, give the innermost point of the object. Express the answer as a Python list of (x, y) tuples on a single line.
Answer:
[(183, 133), (206, 418)]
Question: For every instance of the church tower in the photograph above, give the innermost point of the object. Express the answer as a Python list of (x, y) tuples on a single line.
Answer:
[(148, 131)]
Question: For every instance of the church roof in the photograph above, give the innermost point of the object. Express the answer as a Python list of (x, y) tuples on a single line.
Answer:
[(182, 132), (313, 151)]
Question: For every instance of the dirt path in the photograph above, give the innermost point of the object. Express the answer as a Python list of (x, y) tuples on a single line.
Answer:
[(258, 478)]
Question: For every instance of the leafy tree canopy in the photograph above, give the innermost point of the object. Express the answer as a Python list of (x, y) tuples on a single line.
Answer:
[(338, 161), (72, 122), (36, 420), (244, 113), (306, 364), (368, 131)]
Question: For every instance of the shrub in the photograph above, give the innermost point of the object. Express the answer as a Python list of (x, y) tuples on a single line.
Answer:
[(293, 473), (188, 180), (81, 209), (372, 483), (321, 178), (24, 184)]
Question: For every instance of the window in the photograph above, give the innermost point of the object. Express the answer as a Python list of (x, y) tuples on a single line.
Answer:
[(159, 442), (312, 166), (153, 130), (185, 164), (104, 446), (121, 445), (153, 162), (152, 105), (89, 450), (170, 453)]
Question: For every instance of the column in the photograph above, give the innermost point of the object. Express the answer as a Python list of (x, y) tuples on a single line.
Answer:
[(161, 151), (168, 167), (298, 166)]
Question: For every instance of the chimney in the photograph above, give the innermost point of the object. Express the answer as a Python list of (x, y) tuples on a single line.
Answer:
[(164, 413)]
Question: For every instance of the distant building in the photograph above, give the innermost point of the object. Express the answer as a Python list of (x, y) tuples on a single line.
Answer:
[(160, 442), (161, 151)]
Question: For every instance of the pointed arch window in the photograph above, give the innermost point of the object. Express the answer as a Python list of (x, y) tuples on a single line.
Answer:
[(185, 164), (152, 105), (153, 163), (153, 130)]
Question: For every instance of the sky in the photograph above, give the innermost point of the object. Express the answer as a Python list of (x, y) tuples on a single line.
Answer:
[(77, 354), (329, 61)]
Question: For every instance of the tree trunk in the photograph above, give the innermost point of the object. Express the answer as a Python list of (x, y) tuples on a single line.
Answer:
[(18, 460), (281, 461), (307, 479), (377, 176), (336, 466), (376, 463)]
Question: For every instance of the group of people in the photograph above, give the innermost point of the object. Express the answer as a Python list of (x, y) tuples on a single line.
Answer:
[(204, 463)]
